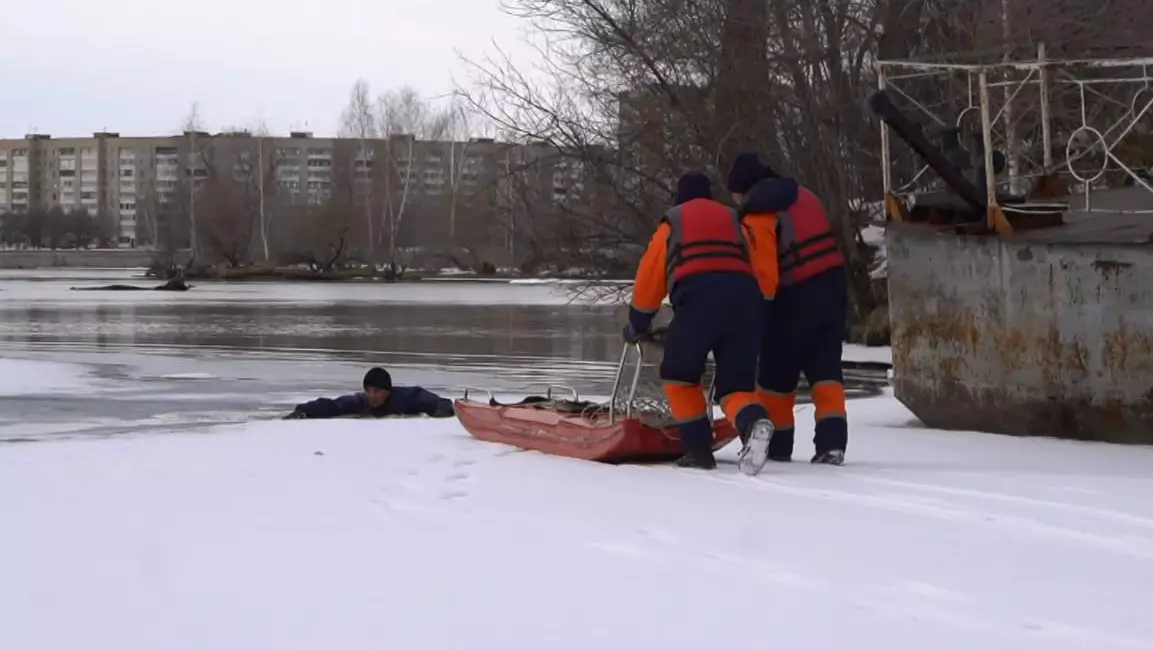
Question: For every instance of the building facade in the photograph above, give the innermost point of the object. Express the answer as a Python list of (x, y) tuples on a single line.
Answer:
[(120, 179)]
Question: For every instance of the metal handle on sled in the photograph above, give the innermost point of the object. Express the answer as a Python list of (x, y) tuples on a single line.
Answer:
[(657, 335), (633, 387), (484, 390), (570, 390)]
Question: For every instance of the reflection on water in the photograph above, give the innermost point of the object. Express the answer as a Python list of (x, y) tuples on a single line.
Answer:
[(587, 333)]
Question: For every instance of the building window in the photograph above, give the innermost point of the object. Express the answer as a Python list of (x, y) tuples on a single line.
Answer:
[(67, 151), (127, 173)]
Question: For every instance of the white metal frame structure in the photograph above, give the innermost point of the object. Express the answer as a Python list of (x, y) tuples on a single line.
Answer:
[(1104, 119)]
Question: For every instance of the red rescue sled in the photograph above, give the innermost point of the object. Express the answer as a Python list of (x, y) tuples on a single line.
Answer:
[(607, 432)]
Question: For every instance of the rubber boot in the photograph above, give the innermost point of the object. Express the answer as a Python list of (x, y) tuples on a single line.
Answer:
[(756, 433), (697, 438), (781, 446), (830, 439)]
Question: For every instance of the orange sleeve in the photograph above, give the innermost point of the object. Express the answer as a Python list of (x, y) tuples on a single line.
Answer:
[(762, 231), (651, 284)]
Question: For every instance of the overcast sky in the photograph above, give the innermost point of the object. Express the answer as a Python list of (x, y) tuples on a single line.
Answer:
[(71, 67)]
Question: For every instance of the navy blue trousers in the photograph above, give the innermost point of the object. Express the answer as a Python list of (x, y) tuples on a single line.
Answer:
[(719, 313), (803, 332)]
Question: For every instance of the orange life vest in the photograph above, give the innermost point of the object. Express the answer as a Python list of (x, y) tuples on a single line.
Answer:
[(704, 237), (806, 244)]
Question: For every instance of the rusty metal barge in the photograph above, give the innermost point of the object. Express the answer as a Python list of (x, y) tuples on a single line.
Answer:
[(1024, 305)]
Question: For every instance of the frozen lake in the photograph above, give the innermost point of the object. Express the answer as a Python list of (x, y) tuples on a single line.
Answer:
[(113, 362)]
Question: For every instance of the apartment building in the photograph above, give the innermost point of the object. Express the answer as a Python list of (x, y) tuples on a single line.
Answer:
[(104, 175), (118, 178), (656, 138)]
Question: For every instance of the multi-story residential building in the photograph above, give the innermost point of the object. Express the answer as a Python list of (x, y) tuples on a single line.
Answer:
[(658, 139), (122, 178)]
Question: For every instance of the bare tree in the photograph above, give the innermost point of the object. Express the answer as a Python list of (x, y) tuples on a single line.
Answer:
[(193, 126), (266, 163), (323, 236), (642, 91), (403, 118), (236, 196), (459, 161), (360, 121)]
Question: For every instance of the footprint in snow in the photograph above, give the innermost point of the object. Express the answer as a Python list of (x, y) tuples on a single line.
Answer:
[(923, 590), (659, 537)]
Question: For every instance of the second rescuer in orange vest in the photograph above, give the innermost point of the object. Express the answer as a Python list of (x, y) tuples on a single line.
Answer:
[(700, 257), (806, 306)]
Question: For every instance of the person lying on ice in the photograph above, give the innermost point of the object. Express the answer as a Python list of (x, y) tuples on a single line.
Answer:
[(700, 257), (805, 324), (379, 399)]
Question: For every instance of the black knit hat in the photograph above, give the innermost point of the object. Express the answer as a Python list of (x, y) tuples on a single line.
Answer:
[(693, 184), (746, 172), (379, 378)]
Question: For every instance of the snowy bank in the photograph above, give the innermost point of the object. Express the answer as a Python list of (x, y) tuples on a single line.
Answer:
[(411, 534)]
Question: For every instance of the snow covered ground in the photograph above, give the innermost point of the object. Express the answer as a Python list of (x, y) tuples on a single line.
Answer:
[(409, 533)]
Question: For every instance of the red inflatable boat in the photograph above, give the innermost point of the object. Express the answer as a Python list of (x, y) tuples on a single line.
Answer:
[(604, 432)]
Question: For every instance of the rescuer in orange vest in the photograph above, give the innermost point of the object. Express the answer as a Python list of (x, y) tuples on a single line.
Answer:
[(700, 257), (805, 315)]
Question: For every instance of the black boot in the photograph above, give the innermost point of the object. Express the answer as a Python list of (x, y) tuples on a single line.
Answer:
[(698, 460), (697, 438), (830, 440), (781, 446), (835, 457)]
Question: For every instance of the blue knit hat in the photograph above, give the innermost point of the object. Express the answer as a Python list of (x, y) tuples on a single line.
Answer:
[(746, 172), (378, 377), (693, 185)]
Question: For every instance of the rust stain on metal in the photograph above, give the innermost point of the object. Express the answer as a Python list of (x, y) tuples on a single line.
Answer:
[(1116, 345), (1125, 350), (1047, 347), (1013, 348)]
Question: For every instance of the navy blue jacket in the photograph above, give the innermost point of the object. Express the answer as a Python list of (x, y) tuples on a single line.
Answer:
[(401, 401)]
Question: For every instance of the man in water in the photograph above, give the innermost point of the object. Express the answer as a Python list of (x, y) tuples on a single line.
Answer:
[(379, 399)]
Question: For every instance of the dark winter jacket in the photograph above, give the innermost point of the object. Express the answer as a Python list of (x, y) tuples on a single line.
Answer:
[(821, 298), (774, 194), (401, 401)]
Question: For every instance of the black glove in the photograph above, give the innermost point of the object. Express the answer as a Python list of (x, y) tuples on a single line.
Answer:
[(295, 414), (631, 335)]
